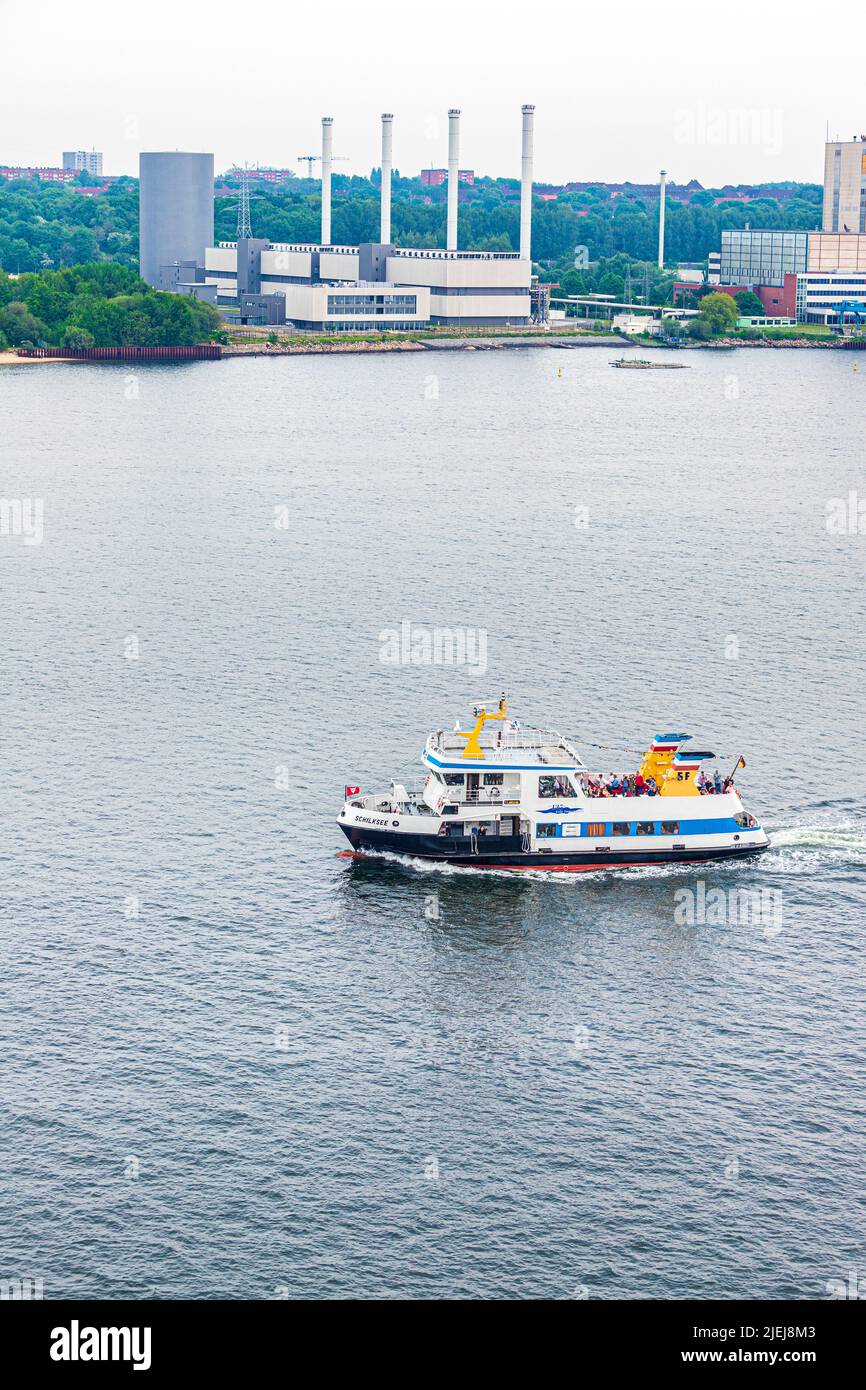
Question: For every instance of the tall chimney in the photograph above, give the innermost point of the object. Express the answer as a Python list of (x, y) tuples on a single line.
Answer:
[(526, 185), (453, 173), (662, 187), (327, 148), (385, 220)]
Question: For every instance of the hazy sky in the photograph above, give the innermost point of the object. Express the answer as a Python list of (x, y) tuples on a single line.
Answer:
[(733, 92)]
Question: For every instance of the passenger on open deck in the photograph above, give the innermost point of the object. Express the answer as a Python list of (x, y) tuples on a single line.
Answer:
[(627, 784)]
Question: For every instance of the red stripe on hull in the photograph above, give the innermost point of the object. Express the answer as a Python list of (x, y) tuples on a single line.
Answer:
[(528, 868)]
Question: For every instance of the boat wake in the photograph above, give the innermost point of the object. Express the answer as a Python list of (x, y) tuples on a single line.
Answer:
[(807, 846)]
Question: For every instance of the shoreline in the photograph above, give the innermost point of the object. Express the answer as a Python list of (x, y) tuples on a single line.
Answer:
[(10, 358), (408, 344)]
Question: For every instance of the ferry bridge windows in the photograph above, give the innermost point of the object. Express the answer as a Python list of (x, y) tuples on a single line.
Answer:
[(454, 779), (670, 827), (551, 787), (621, 827), (545, 832), (493, 779), (645, 827)]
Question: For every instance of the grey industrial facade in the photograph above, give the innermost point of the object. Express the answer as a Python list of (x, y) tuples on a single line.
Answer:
[(176, 210)]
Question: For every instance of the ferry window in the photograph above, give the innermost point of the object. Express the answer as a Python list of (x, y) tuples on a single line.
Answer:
[(646, 827), (621, 827), (493, 779), (595, 828), (670, 827), (454, 779), (550, 787), (545, 832), (745, 821)]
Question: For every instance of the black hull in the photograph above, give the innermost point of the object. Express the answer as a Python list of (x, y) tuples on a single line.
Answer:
[(509, 853)]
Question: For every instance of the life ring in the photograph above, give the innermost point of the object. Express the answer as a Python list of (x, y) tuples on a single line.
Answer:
[(494, 793)]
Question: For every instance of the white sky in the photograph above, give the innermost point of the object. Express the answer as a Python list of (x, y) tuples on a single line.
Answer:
[(738, 91)]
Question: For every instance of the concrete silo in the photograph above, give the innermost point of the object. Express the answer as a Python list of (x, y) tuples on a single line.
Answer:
[(175, 213)]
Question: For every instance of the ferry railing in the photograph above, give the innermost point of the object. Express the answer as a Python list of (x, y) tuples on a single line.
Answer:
[(509, 741)]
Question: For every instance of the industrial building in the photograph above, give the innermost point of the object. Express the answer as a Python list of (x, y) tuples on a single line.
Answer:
[(175, 215), (845, 186), (377, 284), (762, 257), (807, 275)]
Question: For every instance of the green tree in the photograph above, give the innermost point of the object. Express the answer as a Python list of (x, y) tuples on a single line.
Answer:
[(748, 303), (19, 325), (719, 311), (700, 328), (74, 337)]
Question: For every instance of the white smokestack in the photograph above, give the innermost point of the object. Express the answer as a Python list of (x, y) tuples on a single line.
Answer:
[(662, 187), (453, 173), (385, 220), (327, 150), (526, 184)]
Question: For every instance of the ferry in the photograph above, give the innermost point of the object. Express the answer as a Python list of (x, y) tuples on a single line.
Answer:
[(501, 795)]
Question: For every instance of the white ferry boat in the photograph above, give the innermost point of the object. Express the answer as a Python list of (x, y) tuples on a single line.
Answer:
[(504, 796)]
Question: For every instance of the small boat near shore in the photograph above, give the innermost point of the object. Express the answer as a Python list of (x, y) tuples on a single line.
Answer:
[(502, 795), (643, 364)]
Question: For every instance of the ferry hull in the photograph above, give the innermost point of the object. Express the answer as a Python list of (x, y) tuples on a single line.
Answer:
[(509, 853)]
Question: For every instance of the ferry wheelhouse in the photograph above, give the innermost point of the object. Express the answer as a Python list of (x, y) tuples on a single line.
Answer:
[(506, 796)]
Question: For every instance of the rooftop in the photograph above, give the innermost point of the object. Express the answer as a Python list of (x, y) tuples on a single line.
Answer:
[(506, 744)]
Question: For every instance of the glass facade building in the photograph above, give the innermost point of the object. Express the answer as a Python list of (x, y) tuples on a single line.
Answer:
[(762, 257)]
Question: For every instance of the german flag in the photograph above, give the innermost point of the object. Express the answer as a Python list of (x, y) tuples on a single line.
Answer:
[(741, 763)]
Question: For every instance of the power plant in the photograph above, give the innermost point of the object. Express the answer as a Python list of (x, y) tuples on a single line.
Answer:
[(340, 288)]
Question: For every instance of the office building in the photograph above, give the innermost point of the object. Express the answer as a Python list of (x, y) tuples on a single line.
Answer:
[(845, 185), (822, 297)]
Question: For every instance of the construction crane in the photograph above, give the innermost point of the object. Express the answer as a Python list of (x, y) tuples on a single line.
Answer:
[(310, 160)]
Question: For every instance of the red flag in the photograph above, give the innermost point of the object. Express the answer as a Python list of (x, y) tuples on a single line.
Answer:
[(352, 791)]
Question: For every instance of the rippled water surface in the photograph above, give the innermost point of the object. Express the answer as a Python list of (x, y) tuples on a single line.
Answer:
[(236, 1064)]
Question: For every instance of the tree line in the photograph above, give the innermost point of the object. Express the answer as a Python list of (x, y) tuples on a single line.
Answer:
[(47, 226), (98, 305)]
